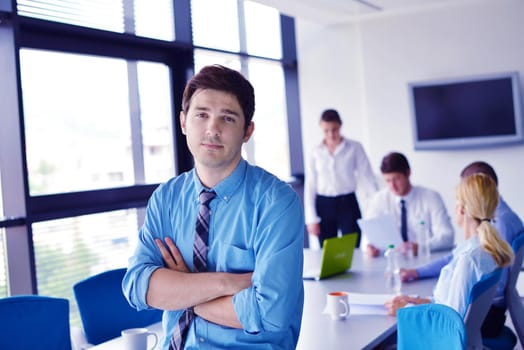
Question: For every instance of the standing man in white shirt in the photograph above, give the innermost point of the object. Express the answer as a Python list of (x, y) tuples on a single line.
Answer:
[(333, 171), (420, 204)]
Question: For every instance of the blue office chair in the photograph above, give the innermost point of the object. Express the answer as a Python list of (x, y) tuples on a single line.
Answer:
[(105, 311), (430, 327), (479, 302), (513, 299), (34, 322)]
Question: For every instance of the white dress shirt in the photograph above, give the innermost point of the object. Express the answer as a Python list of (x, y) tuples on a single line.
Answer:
[(422, 204), (336, 174)]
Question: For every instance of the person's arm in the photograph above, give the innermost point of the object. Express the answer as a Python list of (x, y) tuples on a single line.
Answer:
[(365, 175), (197, 288), (310, 192), (429, 270), (401, 301), (275, 299), (442, 233), (432, 269), (219, 311)]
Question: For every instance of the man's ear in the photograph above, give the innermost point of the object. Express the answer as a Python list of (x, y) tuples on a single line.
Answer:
[(249, 132), (183, 122)]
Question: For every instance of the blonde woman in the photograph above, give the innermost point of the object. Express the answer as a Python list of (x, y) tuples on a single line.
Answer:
[(482, 251)]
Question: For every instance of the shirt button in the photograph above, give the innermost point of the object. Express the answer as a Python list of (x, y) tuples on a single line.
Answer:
[(202, 340)]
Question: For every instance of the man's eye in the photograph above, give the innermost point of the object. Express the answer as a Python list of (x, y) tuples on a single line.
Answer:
[(229, 119), (200, 115)]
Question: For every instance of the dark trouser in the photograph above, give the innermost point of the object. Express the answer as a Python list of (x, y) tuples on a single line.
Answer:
[(494, 322), (338, 213)]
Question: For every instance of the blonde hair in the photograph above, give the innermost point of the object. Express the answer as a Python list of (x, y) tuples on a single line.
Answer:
[(479, 196)]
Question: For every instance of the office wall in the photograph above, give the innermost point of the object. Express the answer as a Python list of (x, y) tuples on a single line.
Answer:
[(362, 68)]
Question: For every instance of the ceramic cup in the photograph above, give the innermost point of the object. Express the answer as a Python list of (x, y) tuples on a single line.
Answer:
[(337, 305), (136, 339)]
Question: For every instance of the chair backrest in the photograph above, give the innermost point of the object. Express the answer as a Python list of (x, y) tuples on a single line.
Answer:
[(480, 300), (513, 299), (430, 326), (34, 322), (105, 311)]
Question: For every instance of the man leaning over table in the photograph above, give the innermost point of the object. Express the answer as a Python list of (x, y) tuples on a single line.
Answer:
[(508, 225), (251, 293), (421, 204)]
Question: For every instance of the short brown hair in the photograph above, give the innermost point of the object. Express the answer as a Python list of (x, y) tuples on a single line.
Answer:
[(395, 162), (221, 78), (480, 167), (330, 115)]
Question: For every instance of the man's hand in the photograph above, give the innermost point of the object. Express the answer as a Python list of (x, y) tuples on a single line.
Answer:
[(172, 257), (372, 251), (407, 275)]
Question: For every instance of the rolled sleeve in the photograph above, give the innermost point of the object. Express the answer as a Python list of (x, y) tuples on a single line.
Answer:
[(275, 299)]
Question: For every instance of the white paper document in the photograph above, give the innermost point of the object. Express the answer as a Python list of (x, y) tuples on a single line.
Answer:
[(368, 303), (381, 231)]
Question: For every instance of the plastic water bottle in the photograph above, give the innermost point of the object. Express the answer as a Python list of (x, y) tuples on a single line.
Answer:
[(423, 241), (392, 273)]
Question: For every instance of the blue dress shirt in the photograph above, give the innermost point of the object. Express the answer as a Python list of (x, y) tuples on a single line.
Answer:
[(509, 225), (257, 224)]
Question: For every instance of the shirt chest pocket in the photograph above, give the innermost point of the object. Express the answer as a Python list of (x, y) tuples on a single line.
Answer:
[(231, 258)]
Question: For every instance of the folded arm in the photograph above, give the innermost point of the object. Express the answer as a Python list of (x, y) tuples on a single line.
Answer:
[(210, 293)]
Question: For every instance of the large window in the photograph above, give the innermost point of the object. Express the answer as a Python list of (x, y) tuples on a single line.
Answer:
[(71, 249), (79, 122), (141, 17), (249, 27)]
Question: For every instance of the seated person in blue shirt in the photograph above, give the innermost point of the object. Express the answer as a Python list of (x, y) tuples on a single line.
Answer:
[(481, 253), (249, 293), (508, 225)]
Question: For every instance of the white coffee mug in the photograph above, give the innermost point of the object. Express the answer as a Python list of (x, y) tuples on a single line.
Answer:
[(338, 305), (136, 338)]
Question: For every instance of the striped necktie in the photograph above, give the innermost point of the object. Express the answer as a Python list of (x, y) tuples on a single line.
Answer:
[(200, 263), (403, 221)]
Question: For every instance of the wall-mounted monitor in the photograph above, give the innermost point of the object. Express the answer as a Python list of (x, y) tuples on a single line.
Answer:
[(478, 111)]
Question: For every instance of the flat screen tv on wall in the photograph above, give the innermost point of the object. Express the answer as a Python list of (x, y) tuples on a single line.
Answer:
[(478, 111)]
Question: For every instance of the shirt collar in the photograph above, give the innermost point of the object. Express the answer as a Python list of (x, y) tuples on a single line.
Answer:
[(225, 188), (408, 197)]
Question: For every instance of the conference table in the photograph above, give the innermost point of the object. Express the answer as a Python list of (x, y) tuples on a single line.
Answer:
[(359, 330)]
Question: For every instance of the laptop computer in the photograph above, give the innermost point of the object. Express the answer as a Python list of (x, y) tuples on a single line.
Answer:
[(337, 255), (380, 231)]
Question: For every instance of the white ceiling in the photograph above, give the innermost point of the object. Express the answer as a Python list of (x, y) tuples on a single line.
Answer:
[(339, 11)]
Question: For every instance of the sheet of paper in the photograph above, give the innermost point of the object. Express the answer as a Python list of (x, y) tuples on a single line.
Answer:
[(369, 299), (381, 231), (368, 303)]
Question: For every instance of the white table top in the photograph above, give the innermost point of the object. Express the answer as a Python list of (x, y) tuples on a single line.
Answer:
[(366, 275), (318, 331)]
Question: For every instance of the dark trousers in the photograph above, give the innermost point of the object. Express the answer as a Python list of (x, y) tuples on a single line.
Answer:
[(494, 322), (338, 213)]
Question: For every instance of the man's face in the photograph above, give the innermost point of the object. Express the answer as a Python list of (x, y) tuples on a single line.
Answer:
[(214, 126), (398, 183), (331, 132)]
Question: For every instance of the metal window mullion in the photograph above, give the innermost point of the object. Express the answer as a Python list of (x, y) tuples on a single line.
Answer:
[(244, 69), (137, 144), (17, 242)]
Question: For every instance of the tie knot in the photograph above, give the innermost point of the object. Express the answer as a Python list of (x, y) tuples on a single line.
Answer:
[(402, 202), (205, 197)]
